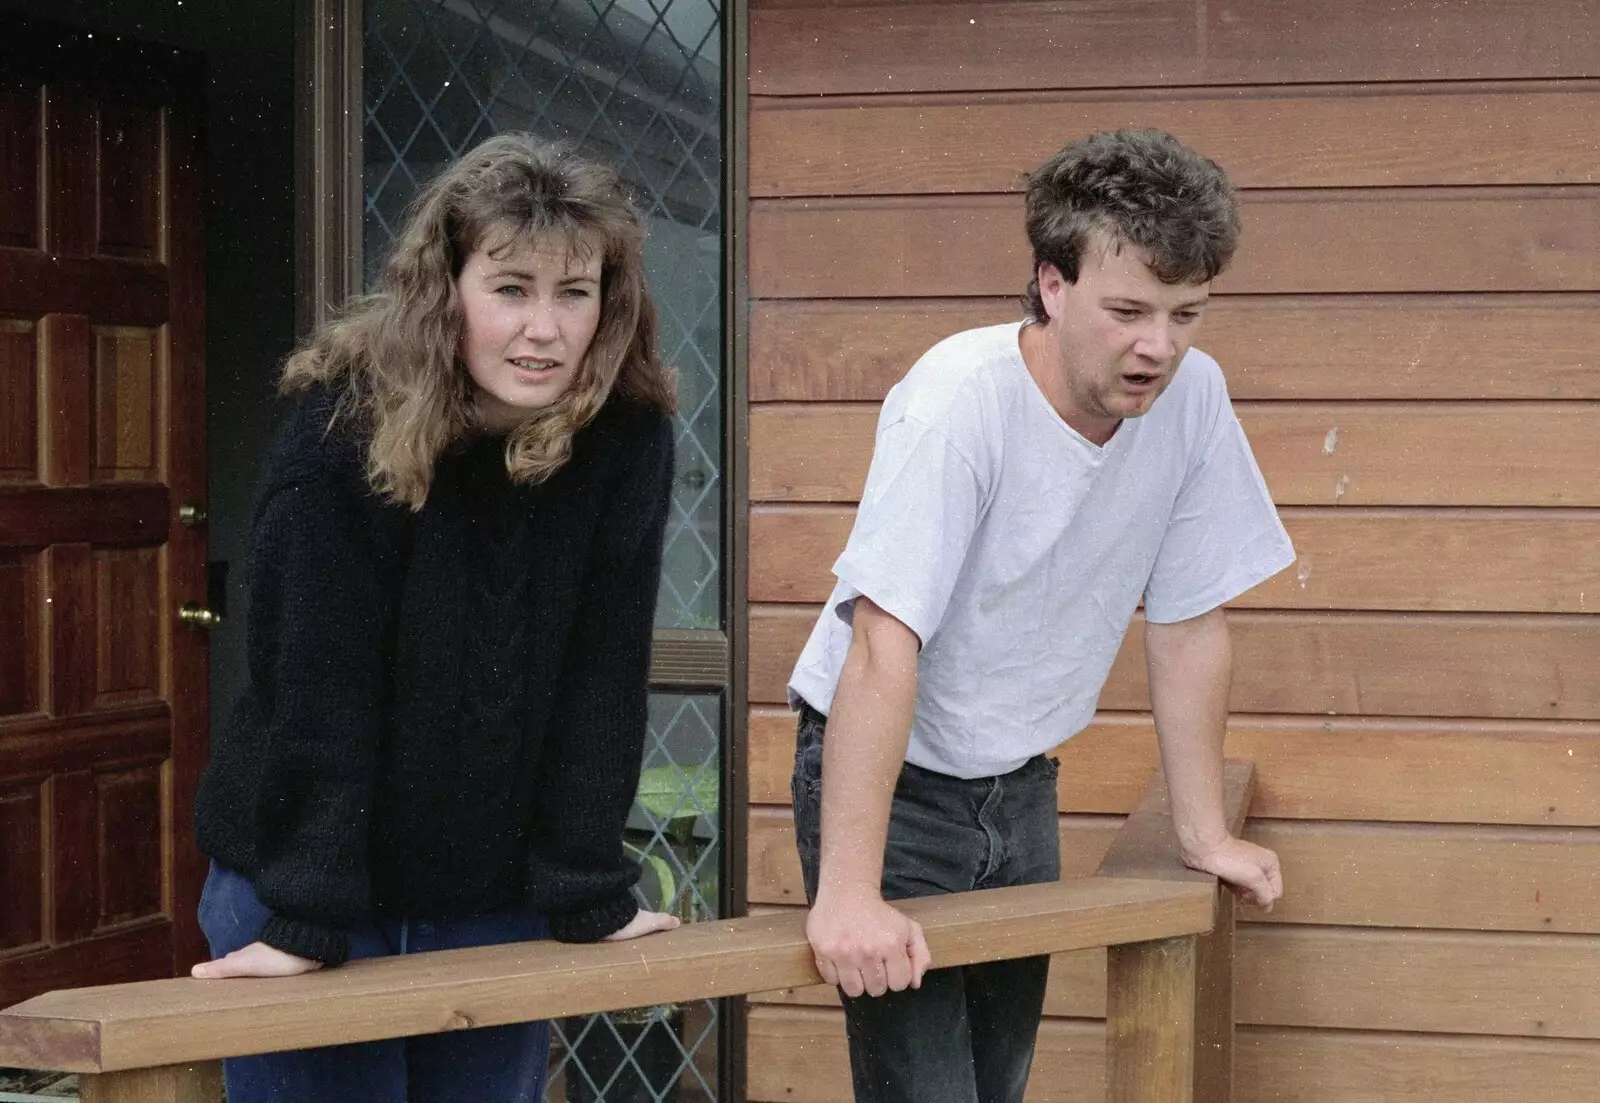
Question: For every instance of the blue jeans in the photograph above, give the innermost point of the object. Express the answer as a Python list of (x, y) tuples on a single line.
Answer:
[(497, 1064), (967, 1035)]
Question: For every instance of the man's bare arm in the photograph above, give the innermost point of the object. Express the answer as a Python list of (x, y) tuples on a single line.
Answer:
[(861, 943), (1191, 668)]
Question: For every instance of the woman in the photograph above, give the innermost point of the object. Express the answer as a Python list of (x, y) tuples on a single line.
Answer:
[(455, 563)]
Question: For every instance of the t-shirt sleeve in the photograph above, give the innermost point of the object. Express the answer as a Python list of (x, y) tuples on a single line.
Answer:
[(1224, 536), (918, 512)]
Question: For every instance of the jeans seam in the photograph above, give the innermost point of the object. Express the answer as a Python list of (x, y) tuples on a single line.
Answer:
[(997, 843)]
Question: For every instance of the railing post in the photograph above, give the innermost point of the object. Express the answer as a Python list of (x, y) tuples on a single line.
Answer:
[(197, 1083), (1150, 1021), (1213, 1028), (1169, 1008)]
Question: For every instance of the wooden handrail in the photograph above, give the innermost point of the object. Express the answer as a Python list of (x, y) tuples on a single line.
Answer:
[(175, 1030)]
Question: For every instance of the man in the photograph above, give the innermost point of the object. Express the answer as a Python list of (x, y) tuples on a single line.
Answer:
[(1031, 483)]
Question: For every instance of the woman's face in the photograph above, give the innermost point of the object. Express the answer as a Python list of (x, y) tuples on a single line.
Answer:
[(530, 311)]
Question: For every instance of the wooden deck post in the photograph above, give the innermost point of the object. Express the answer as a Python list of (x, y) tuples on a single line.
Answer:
[(197, 1083), (1150, 1021), (1213, 1028), (1169, 1004)]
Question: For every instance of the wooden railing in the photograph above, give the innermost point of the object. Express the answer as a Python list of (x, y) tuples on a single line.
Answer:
[(1169, 985)]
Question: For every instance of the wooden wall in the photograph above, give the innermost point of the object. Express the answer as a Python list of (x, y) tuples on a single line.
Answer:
[(1410, 335)]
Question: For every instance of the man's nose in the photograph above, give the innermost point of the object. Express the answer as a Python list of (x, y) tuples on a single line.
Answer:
[(1156, 342)]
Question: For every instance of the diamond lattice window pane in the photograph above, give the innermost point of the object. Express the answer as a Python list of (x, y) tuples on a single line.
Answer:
[(637, 83), (660, 1053)]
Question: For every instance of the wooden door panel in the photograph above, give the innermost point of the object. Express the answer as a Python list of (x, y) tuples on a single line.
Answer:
[(130, 158), (66, 377), (19, 616), (21, 866), (102, 698), (128, 844), (19, 168), (19, 415), (71, 618), (127, 625), (69, 193), (124, 403), (76, 909)]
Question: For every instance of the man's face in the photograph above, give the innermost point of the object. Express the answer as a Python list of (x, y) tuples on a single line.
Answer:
[(1120, 332)]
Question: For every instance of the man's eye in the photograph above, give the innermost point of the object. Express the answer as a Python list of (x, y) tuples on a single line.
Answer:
[(1124, 314)]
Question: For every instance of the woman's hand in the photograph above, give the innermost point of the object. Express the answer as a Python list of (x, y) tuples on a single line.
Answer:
[(644, 923), (255, 960)]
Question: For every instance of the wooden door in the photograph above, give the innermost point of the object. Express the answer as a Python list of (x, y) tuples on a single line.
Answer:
[(103, 707)]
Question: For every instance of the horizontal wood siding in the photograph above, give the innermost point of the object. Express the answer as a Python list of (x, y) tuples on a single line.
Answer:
[(1410, 336)]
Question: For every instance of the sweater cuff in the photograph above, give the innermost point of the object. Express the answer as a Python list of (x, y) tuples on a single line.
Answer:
[(328, 945), (593, 924)]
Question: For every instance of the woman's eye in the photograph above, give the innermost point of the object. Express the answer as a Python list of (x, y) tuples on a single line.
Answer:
[(576, 292), (510, 289)]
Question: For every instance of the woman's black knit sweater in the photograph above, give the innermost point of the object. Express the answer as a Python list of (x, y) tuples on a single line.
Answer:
[(445, 711)]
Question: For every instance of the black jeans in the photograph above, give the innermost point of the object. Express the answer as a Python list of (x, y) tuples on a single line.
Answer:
[(967, 1035)]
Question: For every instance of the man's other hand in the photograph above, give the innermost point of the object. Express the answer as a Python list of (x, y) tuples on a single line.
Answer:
[(866, 946), (1251, 871)]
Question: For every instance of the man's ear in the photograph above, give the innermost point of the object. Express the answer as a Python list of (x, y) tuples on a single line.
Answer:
[(1052, 286)]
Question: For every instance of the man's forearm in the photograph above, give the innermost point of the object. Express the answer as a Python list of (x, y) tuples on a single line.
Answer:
[(1190, 665), (862, 752)]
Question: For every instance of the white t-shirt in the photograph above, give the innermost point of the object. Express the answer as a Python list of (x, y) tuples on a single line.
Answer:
[(1017, 550)]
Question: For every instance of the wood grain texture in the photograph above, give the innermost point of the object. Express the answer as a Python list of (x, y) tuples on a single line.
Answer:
[(66, 403), (71, 123), (128, 636), (797, 1055), (197, 1083), (19, 419), (164, 1022), (103, 516), (1341, 874), (126, 405), (1328, 664), (73, 629), (1406, 771), (1364, 1067), (1265, 137), (1346, 978), (1363, 240), (1325, 453), (22, 610), (1501, 561), (1522, 346), (101, 289), (806, 49), (132, 953), (129, 160), (46, 745), (1150, 1022), (19, 166), (21, 866)]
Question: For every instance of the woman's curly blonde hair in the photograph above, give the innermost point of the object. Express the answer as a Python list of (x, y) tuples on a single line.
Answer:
[(393, 356)]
